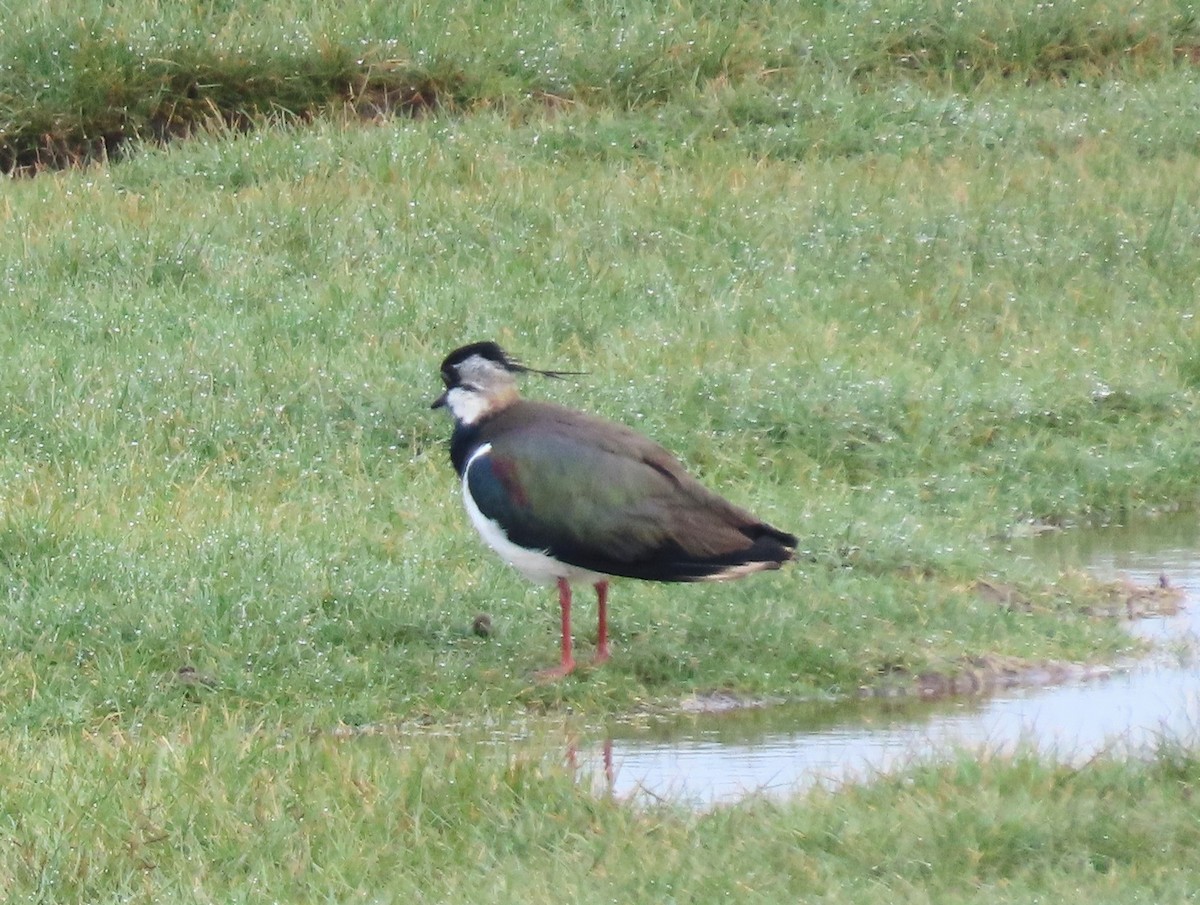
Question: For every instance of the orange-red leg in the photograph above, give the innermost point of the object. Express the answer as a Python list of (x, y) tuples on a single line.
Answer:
[(568, 661), (602, 653)]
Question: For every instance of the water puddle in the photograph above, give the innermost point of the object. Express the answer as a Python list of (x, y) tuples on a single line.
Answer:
[(704, 760)]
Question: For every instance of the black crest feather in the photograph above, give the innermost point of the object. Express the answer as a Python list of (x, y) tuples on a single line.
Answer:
[(492, 352)]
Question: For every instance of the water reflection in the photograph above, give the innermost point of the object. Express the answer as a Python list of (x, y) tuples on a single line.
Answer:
[(781, 750)]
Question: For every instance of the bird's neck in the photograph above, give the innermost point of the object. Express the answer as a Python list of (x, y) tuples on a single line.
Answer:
[(462, 443)]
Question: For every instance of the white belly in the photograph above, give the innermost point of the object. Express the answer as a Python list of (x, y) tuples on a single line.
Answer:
[(536, 565)]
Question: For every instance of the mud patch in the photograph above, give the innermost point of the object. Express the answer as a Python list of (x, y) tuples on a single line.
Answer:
[(724, 702), (233, 95), (988, 675), (982, 677)]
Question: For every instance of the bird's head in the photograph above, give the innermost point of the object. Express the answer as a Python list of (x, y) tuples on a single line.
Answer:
[(480, 380)]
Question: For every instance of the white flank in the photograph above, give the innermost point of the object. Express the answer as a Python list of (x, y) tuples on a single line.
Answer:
[(536, 565), (747, 568)]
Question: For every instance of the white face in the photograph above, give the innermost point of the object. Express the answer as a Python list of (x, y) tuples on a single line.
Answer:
[(467, 404)]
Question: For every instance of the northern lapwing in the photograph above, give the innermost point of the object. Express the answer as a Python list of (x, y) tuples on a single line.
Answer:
[(566, 497)]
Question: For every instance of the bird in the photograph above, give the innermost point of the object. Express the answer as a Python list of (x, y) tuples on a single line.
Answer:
[(570, 498)]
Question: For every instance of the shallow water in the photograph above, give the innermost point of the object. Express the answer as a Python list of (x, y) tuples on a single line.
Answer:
[(710, 759)]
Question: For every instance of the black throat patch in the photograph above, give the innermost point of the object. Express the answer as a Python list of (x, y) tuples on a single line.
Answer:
[(463, 442)]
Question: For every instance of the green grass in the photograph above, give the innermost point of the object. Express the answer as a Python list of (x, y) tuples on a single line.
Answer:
[(84, 80), (218, 445), (231, 812), (900, 277)]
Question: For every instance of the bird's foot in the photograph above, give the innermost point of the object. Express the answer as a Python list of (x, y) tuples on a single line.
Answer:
[(554, 673), (602, 656)]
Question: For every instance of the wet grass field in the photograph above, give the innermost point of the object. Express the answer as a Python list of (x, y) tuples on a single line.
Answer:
[(905, 279)]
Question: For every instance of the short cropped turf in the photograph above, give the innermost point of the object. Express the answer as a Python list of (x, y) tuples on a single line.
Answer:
[(227, 812), (905, 279)]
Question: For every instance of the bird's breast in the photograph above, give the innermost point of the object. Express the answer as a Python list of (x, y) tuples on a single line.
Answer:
[(536, 565)]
